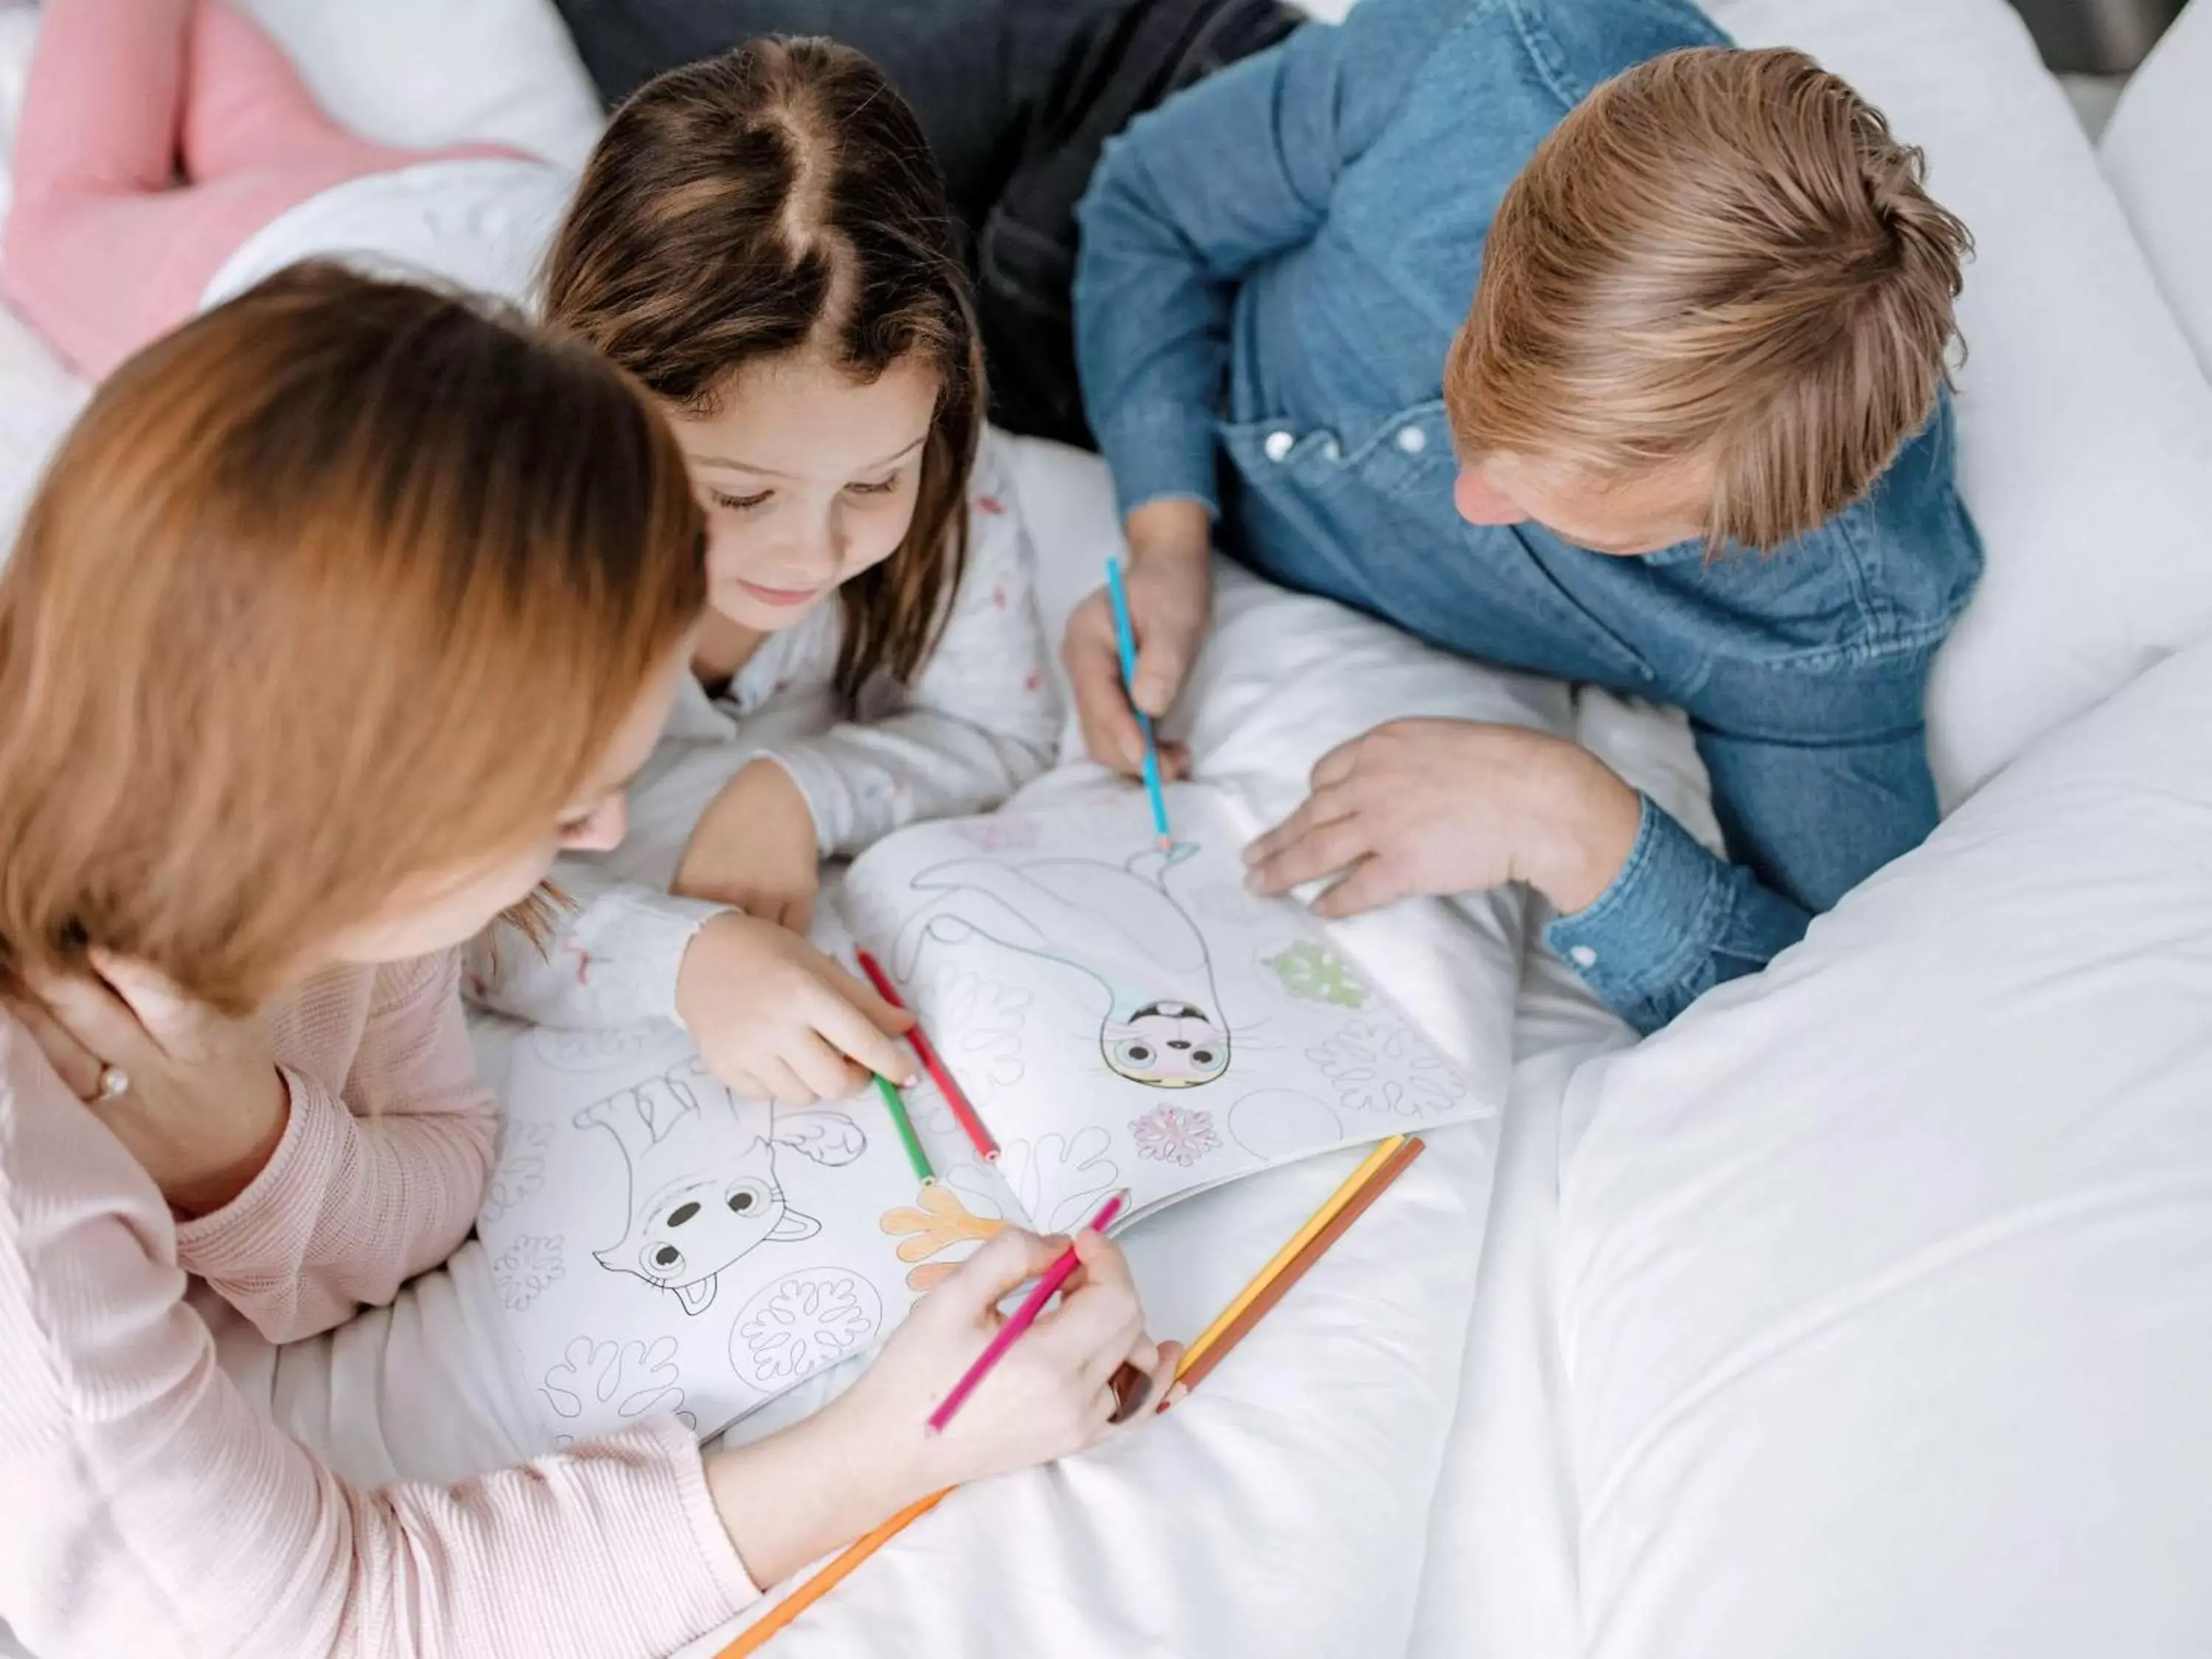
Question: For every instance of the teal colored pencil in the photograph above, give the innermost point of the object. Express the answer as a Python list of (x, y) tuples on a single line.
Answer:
[(904, 1125), (1124, 636)]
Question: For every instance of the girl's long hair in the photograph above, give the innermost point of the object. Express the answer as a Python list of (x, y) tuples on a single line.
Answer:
[(781, 198)]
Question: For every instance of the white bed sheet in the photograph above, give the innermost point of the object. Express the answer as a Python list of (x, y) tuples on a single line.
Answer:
[(1279, 1537)]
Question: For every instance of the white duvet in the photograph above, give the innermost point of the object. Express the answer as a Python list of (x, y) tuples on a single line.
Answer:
[(1383, 1467)]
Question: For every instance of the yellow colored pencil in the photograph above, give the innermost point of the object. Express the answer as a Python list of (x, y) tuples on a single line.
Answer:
[(756, 1635), (1283, 1258)]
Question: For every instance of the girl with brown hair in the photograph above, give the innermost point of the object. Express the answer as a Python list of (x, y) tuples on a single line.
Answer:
[(340, 612), (762, 239), (762, 242)]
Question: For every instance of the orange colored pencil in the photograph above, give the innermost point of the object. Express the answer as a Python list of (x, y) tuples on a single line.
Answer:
[(756, 1636), (1272, 1282)]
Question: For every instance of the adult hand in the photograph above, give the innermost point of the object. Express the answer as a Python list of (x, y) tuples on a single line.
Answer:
[(1082, 1370), (205, 1108), (777, 1020), (754, 848), (1170, 578), (1451, 806)]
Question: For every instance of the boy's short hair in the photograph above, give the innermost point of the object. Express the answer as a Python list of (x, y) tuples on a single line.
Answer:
[(1718, 254)]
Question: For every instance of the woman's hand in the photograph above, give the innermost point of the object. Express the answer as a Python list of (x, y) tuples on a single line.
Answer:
[(1451, 806), (777, 1020), (754, 848), (1170, 585), (1078, 1372), (205, 1108)]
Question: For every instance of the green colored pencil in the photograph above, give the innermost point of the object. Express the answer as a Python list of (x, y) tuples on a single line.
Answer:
[(914, 1155)]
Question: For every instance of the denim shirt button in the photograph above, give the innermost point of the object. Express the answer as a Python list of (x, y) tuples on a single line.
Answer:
[(1278, 446), (1329, 451), (1412, 440), (1583, 957)]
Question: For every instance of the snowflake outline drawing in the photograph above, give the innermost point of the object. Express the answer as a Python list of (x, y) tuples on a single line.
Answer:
[(802, 1323), (630, 1377), (1057, 1179), (526, 1269), (521, 1171), (1175, 1135), (1386, 1068)]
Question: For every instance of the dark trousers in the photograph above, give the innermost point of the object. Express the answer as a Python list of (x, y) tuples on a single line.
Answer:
[(1017, 97)]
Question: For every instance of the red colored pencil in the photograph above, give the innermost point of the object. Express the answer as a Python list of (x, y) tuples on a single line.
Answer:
[(987, 1147), (1062, 1269)]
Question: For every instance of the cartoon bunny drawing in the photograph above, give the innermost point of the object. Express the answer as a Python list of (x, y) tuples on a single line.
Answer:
[(703, 1191), (1115, 924)]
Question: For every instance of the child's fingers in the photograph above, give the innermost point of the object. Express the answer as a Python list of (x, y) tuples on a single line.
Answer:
[(780, 1083), (842, 1019), (822, 1068)]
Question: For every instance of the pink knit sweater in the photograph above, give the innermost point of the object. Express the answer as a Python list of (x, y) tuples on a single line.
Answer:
[(146, 1507)]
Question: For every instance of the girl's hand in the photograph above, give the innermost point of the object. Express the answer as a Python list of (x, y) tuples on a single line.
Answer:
[(206, 1107), (869, 1453), (777, 1020), (754, 848)]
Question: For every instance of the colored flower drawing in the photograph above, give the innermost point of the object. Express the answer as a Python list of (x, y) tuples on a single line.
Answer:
[(803, 1322), (1312, 972), (1000, 832), (1375, 1068), (525, 1269), (632, 1377), (941, 1222), (1174, 1135), (521, 1171)]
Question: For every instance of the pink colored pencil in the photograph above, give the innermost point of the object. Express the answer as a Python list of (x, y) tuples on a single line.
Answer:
[(1021, 1318), (987, 1147)]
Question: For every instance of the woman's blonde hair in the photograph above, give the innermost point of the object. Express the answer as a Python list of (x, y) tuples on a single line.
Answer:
[(1720, 255), (781, 198), (342, 585)]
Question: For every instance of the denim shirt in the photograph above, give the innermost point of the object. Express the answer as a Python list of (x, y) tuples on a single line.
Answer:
[(1274, 265)]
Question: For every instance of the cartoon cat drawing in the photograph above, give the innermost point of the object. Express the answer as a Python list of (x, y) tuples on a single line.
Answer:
[(1116, 924), (703, 1191)]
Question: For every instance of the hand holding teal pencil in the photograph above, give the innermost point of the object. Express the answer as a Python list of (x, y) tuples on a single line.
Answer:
[(1169, 581), (868, 1454)]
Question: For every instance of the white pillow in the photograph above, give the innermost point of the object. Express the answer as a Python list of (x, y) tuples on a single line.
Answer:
[(2157, 151), (1887, 1276), (441, 71), (2086, 432)]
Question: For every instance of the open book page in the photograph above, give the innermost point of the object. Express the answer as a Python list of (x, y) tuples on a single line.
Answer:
[(662, 1244), (1125, 1015)]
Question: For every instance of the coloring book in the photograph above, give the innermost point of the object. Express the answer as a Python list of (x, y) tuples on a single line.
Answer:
[(1121, 1015)]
